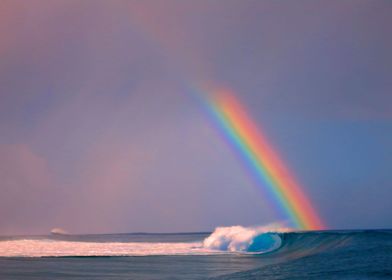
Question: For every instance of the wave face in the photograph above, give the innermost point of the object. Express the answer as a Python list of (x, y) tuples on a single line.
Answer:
[(224, 240)]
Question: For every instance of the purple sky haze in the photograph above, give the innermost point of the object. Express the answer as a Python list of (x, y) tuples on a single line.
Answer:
[(100, 133)]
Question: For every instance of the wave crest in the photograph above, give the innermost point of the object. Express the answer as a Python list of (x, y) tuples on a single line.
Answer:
[(245, 239)]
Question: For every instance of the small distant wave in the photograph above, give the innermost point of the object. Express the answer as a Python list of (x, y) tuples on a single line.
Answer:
[(58, 231)]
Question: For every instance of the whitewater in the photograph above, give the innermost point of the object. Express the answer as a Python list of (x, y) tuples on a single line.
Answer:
[(226, 253), (236, 239)]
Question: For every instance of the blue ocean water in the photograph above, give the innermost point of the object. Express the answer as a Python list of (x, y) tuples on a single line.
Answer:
[(244, 254)]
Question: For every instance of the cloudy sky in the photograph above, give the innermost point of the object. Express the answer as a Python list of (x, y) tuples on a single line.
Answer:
[(100, 132)]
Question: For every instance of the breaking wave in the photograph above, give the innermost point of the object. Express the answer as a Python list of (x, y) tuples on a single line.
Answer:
[(244, 239), (224, 240)]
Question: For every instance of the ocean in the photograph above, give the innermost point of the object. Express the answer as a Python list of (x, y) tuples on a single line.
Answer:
[(228, 253)]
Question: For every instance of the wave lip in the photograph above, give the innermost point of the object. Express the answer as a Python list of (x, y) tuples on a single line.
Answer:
[(243, 239)]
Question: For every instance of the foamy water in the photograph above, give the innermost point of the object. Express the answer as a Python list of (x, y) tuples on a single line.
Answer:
[(223, 240), (46, 248)]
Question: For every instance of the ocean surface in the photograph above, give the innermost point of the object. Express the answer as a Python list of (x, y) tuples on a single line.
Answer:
[(227, 253)]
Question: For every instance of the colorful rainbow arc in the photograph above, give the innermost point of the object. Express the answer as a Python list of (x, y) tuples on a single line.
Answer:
[(251, 145), (258, 155)]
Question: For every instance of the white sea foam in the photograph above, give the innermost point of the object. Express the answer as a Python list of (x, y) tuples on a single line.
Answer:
[(55, 248), (222, 241)]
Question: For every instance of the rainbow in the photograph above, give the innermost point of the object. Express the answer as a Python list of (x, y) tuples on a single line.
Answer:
[(249, 144), (262, 161)]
